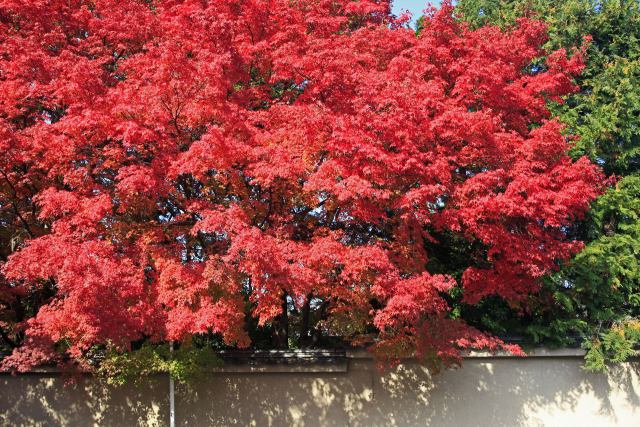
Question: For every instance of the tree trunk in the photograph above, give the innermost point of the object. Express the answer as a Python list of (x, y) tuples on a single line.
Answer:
[(305, 337), (281, 326)]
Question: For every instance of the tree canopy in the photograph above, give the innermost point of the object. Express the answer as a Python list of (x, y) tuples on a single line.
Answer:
[(597, 295), (275, 173)]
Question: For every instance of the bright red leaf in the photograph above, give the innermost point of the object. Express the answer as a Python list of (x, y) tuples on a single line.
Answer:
[(189, 157)]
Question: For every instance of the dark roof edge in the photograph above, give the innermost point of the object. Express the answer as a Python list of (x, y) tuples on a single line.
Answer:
[(328, 360)]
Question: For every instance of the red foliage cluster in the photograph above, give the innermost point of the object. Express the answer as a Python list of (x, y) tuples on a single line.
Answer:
[(177, 161)]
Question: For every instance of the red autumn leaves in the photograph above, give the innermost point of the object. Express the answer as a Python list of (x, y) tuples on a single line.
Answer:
[(182, 165)]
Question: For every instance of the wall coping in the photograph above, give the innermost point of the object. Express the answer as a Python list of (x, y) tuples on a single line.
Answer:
[(331, 361)]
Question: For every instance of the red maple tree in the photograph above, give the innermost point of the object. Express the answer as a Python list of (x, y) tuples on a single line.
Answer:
[(174, 168)]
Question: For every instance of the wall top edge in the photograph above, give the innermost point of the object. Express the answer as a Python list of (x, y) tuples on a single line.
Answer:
[(333, 360), (473, 354)]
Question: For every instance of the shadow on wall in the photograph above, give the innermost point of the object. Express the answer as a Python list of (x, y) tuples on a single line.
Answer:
[(51, 400), (505, 392), (485, 392)]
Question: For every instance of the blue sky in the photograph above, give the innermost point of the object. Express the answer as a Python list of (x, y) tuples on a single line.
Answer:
[(413, 6)]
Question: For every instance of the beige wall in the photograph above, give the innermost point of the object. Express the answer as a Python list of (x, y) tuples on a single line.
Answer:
[(539, 391)]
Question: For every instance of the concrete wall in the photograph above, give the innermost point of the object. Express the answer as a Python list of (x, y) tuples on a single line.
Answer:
[(487, 391)]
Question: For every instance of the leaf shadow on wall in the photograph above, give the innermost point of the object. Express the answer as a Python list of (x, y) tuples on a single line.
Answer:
[(51, 400), (485, 392)]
